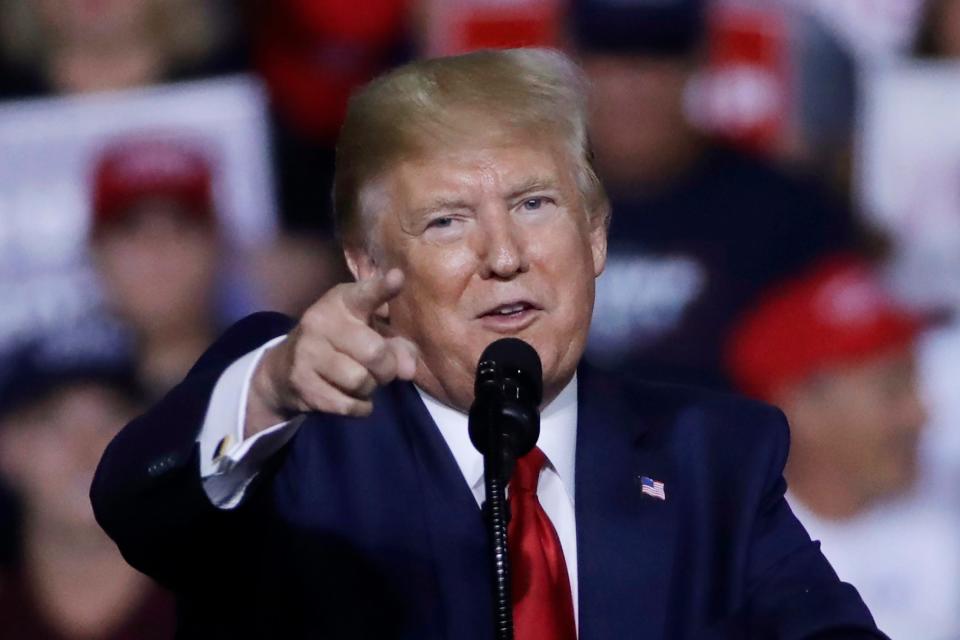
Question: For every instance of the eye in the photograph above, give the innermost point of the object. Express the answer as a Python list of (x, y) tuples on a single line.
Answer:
[(444, 227), (532, 204), (440, 223)]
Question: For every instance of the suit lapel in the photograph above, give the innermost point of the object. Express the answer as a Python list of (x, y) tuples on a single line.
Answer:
[(454, 525), (626, 539)]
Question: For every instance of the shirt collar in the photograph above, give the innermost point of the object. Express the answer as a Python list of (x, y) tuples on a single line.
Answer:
[(558, 436)]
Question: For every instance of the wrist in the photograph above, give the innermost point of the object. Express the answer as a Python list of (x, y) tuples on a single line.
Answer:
[(263, 408)]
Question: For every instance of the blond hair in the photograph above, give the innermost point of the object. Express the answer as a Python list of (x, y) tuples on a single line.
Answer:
[(430, 103)]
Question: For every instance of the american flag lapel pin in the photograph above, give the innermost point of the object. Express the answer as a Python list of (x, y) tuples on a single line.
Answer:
[(653, 488)]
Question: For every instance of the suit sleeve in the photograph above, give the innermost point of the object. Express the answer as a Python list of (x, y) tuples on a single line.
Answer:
[(792, 591), (147, 493)]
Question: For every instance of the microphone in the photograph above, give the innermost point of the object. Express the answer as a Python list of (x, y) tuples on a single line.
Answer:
[(504, 419), (504, 425)]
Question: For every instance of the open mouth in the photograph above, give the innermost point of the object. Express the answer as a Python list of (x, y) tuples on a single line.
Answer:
[(508, 310), (510, 317)]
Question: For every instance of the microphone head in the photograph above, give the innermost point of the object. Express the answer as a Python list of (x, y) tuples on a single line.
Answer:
[(514, 358), (505, 417)]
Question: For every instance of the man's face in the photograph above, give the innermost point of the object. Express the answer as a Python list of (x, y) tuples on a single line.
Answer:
[(494, 241), (865, 419), (94, 21), (159, 267), (638, 127)]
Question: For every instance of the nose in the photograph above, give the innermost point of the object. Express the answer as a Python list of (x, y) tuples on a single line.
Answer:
[(502, 249)]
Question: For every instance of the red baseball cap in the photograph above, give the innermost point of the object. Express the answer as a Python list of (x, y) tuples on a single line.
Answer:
[(837, 313), (133, 169)]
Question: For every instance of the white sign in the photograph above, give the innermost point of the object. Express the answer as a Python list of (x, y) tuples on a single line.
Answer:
[(908, 166), (48, 150), (873, 30)]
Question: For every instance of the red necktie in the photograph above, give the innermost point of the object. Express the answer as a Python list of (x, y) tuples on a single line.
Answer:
[(542, 605)]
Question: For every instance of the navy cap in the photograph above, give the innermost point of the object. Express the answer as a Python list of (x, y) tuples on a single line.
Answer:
[(92, 351), (654, 27)]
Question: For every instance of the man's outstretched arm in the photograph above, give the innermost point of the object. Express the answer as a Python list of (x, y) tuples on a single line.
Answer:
[(148, 493), (154, 492)]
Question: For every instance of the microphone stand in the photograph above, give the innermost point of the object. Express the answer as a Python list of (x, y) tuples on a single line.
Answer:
[(504, 423), (497, 468)]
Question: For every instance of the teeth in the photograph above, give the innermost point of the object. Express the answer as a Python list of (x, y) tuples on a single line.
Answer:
[(505, 311)]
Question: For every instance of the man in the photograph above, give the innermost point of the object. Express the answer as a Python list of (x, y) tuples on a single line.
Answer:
[(837, 354), (699, 227), (469, 211), (62, 398), (154, 220)]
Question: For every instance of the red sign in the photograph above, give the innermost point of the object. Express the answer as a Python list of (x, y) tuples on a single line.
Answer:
[(745, 93), (467, 25)]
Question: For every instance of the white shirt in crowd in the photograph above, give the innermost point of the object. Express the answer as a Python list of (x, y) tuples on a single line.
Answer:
[(904, 559)]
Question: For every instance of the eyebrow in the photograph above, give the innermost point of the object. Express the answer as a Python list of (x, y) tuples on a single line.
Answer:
[(532, 184), (441, 203)]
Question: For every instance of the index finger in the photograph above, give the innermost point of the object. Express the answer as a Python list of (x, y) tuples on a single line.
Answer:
[(366, 296)]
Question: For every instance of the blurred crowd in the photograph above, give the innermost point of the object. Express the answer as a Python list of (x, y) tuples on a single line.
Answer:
[(785, 185)]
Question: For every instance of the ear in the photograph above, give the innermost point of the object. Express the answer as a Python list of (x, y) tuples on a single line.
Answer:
[(361, 264), (598, 245)]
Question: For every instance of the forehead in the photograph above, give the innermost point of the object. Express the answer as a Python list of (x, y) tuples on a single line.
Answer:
[(479, 170)]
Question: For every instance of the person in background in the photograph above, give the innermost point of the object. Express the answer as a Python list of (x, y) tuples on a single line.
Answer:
[(698, 228), (295, 269), (939, 34), (61, 400), (311, 55), (56, 47), (156, 248), (837, 354)]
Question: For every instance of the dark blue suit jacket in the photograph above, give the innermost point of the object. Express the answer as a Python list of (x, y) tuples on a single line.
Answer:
[(365, 528)]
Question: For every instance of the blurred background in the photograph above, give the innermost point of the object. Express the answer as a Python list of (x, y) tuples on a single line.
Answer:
[(785, 181)]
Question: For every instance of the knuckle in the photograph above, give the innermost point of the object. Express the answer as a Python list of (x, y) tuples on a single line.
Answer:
[(374, 350), (311, 318), (298, 386), (387, 368), (359, 381)]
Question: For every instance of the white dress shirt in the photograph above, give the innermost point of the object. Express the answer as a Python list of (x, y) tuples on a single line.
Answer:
[(228, 462)]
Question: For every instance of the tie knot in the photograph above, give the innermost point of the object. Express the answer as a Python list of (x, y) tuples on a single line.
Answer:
[(527, 473)]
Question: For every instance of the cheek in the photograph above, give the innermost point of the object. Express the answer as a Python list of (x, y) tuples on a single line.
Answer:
[(435, 279), (566, 258)]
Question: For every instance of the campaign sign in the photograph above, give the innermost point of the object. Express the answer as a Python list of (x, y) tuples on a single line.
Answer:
[(908, 175), (48, 152)]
